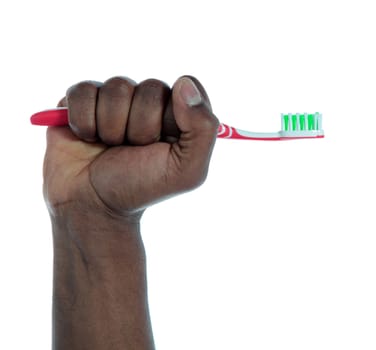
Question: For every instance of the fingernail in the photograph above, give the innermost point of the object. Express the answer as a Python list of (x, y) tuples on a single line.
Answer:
[(189, 92)]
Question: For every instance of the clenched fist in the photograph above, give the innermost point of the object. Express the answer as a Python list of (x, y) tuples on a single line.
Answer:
[(128, 145)]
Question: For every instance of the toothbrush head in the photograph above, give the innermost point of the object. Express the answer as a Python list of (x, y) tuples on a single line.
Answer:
[(301, 125)]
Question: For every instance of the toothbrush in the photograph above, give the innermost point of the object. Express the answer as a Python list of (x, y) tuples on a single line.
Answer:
[(293, 126)]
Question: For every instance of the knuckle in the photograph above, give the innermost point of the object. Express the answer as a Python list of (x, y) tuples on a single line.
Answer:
[(83, 90), (210, 122), (118, 87), (153, 84), (208, 125), (154, 92)]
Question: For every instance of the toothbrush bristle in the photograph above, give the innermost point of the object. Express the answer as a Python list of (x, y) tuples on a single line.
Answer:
[(301, 122)]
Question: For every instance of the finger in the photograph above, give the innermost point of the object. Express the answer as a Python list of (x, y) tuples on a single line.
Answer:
[(198, 127), (113, 106), (201, 89), (146, 114), (170, 130), (63, 102), (81, 101)]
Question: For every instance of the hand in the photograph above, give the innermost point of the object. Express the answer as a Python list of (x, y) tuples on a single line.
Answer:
[(121, 152)]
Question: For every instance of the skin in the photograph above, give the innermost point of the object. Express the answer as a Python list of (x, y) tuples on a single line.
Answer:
[(127, 146)]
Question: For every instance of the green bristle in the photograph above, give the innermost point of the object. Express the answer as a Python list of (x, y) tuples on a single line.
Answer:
[(302, 122), (294, 122), (311, 122), (285, 122)]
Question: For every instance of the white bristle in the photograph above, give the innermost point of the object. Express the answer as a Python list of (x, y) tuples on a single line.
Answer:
[(319, 121), (282, 123)]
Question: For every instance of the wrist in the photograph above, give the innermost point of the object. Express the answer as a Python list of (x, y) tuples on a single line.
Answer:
[(97, 232), (99, 280), (95, 246)]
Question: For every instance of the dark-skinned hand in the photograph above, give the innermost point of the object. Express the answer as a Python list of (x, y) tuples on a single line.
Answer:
[(128, 145)]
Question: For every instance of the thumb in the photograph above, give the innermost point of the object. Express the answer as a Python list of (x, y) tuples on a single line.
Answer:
[(198, 130)]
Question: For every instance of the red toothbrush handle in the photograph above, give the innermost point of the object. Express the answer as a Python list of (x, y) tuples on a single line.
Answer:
[(51, 117)]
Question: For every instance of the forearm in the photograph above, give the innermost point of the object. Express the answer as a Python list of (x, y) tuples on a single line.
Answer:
[(100, 291)]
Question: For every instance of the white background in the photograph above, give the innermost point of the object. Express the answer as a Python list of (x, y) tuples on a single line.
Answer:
[(277, 250)]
